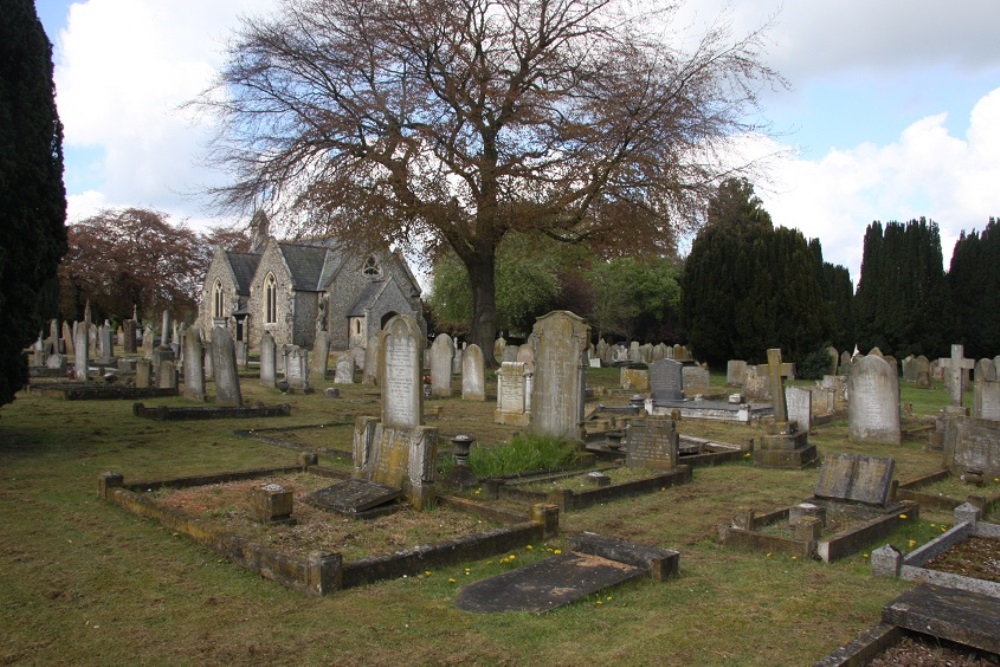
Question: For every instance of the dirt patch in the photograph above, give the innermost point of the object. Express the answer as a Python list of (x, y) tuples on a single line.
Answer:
[(917, 652), (227, 507), (976, 557)]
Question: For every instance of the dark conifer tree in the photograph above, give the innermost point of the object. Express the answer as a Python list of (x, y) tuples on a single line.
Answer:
[(32, 196), (974, 281)]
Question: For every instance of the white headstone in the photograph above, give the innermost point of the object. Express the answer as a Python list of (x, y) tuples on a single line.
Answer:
[(442, 350), (873, 407), (473, 374), (194, 368), (401, 365), (268, 360)]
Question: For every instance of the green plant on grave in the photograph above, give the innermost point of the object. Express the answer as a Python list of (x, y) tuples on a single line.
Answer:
[(521, 453)]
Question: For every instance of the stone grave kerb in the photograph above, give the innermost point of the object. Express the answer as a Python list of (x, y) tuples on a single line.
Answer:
[(776, 379), (954, 365)]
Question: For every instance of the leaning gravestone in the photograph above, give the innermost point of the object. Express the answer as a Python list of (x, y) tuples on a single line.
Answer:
[(345, 369), (856, 478), (514, 382), (873, 405), (666, 381), (651, 443), (227, 378), (560, 343), (268, 360), (442, 350), (473, 374), (399, 452), (194, 368), (81, 360)]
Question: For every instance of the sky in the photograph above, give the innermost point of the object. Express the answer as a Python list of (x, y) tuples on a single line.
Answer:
[(893, 110)]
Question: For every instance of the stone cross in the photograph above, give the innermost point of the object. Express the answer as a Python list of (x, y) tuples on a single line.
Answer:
[(776, 379), (955, 365)]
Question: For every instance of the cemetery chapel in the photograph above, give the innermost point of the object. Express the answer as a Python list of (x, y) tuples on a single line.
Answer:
[(294, 290)]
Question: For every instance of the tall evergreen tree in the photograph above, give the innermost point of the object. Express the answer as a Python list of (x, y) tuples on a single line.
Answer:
[(903, 305), (32, 196), (748, 286), (838, 291), (974, 279)]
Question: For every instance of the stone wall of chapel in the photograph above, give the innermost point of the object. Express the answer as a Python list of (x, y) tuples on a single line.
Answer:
[(217, 270), (281, 330), (305, 319)]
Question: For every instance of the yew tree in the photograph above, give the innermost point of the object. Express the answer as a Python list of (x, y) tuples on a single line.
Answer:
[(433, 124)]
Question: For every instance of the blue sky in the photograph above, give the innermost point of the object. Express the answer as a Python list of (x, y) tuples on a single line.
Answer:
[(893, 112)]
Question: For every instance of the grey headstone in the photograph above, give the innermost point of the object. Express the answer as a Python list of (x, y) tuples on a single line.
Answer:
[(345, 369), (800, 406), (442, 350), (855, 477), (166, 375), (972, 445), (845, 362), (560, 343), (473, 374), (373, 365), (268, 360), (107, 348), (666, 380), (696, 378), (736, 372), (194, 367), (651, 443), (986, 400), (955, 368), (81, 360), (227, 379), (873, 407), (321, 356), (985, 371), (910, 369), (297, 368), (401, 364)]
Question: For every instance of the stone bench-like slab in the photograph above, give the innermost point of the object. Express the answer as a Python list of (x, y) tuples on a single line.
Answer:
[(955, 615)]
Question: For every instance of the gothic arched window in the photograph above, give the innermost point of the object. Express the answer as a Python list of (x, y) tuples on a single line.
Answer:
[(270, 299), (218, 300)]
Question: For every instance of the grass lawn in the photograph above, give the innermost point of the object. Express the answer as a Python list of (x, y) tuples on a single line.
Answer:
[(83, 582)]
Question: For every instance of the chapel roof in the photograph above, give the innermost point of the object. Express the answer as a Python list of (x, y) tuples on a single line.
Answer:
[(244, 266), (368, 296)]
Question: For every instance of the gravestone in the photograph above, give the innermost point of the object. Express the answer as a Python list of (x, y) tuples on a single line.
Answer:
[(128, 331), (514, 382), (736, 372), (56, 362), (143, 373), (321, 356), (910, 369), (345, 369), (510, 352), (242, 354), (398, 451), (373, 364), (107, 348), (955, 368), (646, 353), (603, 351), (442, 350), (560, 343), (923, 372), (456, 359), (634, 378), (54, 347), (755, 384), (972, 445), (634, 355), (297, 368), (165, 329), (526, 355), (81, 360), (985, 371), (148, 339), (498, 345), (166, 375), (845, 362), (986, 400), (619, 354), (799, 402), (893, 363), (696, 378), (67, 338), (873, 406), (473, 374), (268, 360), (208, 365), (666, 381), (659, 351), (831, 352), (855, 478), (227, 379), (651, 443), (785, 445), (194, 368)]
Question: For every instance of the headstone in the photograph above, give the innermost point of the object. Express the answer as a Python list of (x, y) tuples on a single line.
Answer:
[(209, 365), (473, 374), (633, 352), (856, 478), (696, 378), (514, 382), (651, 443), (166, 375), (955, 368), (81, 359), (634, 378), (831, 352), (54, 348), (873, 407), (910, 369), (659, 351), (321, 356), (526, 355), (510, 352), (619, 354), (923, 372), (560, 343), (985, 371), (242, 354), (268, 360), (972, 445), (128, 330), (736, 372), (666, 381), (373, 363), (646, 353), (165, 329), (147, 341), (893, 363), (498, 347), (875, 352), (56, 362), (107, 348), (401, 362), (442, 350), (143, 373), (67, 338), (755, 384), (297, 368), (603, 350), (227, 378), (776, 374), (345, 369), (845, 362), (194, 368), (986, 400), (456, 359), (799, 404)]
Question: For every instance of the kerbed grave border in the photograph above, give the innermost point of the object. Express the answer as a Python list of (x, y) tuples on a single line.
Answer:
[(321, 573), (911, 491)]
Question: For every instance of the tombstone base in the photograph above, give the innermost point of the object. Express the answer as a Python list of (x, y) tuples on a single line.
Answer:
[(512, 419), (786, 458), (784, 441)]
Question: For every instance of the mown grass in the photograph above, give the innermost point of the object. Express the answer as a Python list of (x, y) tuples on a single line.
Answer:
[(82, 582)]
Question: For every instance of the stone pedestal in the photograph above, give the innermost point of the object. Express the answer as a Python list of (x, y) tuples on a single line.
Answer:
[(784, 447)]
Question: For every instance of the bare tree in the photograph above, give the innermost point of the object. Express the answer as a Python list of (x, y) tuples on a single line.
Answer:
[(427, 123)]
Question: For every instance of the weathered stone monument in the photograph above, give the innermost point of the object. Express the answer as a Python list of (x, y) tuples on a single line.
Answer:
[(873, 406), (985, 370), (972, 447), (297, 368), (666, 381), (785, 445), (194, 368), (514, 381), (800, 407), (560, 342), (955, 369), (923, 372), (148, 338), (227, 378), (736, 372), (166, 374), (81, 359), (128, 331), (268, 360), (372, 365), (986, 400), (321, 356), (107, 347), (442, 350), (344, 373), (651, 443), (855, 478), (473, 374)]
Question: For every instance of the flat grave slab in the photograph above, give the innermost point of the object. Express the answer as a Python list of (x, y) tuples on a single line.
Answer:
[(166, 413), (353, 496), (99, 392), (546, 585), (951, 614)]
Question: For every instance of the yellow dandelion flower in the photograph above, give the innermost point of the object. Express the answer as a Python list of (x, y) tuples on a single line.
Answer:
[(529, 547), (912, 543), (865, 555), (427, 573), (609, 597), (769, 555), (599, 602), (795, 557), (902, 516), (557, 551), (451, 580)]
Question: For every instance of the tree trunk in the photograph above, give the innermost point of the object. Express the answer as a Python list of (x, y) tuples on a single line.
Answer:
[(482, 277)]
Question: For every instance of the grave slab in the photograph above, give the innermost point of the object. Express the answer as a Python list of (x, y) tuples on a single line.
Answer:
[(353, 496), (947, 613)]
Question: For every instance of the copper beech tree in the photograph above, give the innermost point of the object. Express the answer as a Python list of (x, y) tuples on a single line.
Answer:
[(436, 123)]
